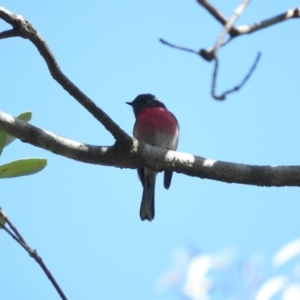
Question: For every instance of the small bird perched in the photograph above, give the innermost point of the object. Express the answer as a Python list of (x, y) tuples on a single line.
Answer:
[(157, 126)]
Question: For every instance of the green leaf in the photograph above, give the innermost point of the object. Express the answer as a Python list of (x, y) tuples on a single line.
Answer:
[(22, 167), (26, 117), (2, 140)]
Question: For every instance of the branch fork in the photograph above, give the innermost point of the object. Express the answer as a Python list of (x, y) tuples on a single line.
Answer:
[(233, 32)]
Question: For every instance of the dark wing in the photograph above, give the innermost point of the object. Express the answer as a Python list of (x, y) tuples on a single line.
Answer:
[(167, 179)]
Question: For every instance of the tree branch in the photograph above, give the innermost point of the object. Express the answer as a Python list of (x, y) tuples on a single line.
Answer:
[(134, 154), (212, 54), (246, 29), (127, 152), (229, 24), (237, 87), (8, 34), (216, 14), (15, 234), (293, 13), (177, 47), (22, 28)]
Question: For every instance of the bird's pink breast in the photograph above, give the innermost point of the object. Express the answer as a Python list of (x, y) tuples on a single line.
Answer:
[(157, 126)]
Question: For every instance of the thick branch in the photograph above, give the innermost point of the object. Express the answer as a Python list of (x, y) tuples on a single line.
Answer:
[(24, 29), (132, 154)]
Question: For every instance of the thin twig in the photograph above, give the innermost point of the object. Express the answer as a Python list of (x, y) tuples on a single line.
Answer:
[(237, 87), (15, 234), (14, 229), (22, 244), (177, 47), (12, 235), (214, 79), (8, 34), (214, 52), (27, 31)]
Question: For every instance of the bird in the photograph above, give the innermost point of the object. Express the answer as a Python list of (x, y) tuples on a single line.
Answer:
[(157, 126)]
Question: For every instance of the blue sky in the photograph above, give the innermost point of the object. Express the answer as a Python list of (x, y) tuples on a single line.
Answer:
[(84, 219)]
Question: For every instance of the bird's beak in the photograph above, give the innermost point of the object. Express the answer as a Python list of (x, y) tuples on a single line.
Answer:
[(129, 103)]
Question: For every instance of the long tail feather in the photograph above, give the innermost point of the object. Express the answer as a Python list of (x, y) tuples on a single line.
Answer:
[(147, 210)]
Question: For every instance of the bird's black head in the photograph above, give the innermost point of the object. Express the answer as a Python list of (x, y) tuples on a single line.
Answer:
[(145, 101)]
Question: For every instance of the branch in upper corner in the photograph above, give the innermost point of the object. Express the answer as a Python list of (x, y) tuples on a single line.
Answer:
[(212, 54), (246, 29), (22, 28), (237, 87), (293, 13), (15, 234)]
